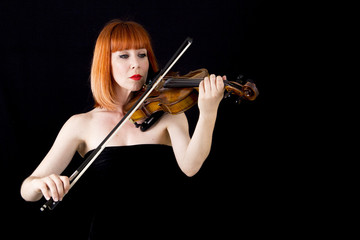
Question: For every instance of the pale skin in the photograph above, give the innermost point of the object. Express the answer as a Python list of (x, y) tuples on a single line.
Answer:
[(84, 132)]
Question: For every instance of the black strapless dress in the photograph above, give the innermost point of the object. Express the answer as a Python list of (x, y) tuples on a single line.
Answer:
[(130, 188)]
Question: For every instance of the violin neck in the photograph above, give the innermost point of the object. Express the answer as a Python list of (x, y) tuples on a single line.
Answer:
[(183, 82)]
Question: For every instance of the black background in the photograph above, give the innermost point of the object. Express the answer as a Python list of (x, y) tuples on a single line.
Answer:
[(46, 56)]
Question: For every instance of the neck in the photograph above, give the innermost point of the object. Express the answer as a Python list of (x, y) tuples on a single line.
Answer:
[(123, 96), (184, 82)]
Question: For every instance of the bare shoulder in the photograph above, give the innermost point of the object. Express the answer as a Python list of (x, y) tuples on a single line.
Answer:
[(77, 127), (83, 118), (79, 122), (79, 119), (84, 123)]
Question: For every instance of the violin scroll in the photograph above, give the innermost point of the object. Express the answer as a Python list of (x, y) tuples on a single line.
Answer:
[(247, 91)]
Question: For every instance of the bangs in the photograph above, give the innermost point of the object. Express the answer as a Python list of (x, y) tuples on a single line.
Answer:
[(129, 36)]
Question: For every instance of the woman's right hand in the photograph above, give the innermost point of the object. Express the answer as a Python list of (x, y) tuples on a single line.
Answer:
[(53, 186)]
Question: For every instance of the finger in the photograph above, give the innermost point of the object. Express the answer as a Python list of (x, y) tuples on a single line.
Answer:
[(45, 191), (52, 188), (66, 183), (202, 86), (224, 77), (209, 82), (219, 83), (59, 186)]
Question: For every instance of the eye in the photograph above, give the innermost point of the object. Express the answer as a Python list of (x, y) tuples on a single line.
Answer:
[(124, 56), (142, 55)]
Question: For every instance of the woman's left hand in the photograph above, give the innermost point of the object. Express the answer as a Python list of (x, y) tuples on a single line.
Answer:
[(211, 92)]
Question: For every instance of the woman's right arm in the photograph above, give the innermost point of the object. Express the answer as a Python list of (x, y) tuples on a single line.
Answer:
[(46, 180)]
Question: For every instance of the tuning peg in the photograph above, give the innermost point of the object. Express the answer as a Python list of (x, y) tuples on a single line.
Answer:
[(250, 80), (238, 101), (240, 79), (227, 95)]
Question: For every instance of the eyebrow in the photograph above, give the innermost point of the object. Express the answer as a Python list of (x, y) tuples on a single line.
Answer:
[(127, 50)]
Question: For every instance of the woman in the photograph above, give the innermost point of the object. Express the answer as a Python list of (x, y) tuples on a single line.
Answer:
[(122, 59)]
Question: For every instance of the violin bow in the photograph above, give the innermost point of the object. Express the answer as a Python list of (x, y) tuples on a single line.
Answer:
[(51, 204)]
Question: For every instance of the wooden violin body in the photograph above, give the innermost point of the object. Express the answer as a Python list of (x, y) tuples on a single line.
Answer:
[(170, 100), (177, 94)]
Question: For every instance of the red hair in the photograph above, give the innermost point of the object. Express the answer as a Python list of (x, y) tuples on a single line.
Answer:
[(117, 35)]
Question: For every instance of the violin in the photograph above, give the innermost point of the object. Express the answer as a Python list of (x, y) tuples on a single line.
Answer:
[(177, 94)]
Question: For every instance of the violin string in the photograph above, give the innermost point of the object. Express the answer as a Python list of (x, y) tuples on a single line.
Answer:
[(186, 82), (183, 82)]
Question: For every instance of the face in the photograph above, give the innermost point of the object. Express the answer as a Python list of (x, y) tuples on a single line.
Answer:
[(130, 68)]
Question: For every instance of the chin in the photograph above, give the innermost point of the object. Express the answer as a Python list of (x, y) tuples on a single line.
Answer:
[(137, 87)]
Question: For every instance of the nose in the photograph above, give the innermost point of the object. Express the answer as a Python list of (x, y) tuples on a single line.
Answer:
[(134, 63)]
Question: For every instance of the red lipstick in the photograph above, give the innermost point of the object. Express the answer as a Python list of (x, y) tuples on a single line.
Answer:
[(136, 77)]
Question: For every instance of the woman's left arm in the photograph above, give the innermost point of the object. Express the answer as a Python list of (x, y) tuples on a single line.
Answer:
[(191, 153)]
